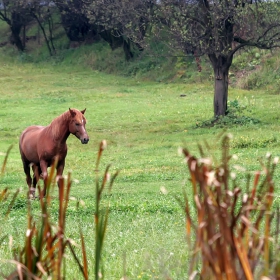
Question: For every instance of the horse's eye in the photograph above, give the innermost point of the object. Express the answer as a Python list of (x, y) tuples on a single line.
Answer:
[(77, 124)]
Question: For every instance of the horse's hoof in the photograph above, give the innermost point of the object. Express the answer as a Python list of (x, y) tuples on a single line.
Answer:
[(32, 192), (32, 196)]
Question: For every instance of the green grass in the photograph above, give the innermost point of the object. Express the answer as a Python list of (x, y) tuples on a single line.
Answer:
[(144, 123), (256, 69)]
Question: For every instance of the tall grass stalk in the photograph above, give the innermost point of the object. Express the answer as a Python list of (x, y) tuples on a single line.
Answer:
[(44, 249), (5, 160), (101, 215), (4, 194), (234, 230)]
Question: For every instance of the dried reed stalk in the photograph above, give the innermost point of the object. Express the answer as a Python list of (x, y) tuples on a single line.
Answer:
[(232, 227), (45, 245)]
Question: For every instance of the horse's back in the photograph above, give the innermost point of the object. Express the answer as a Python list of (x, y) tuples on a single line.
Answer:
[(28, 143), (31, 132)]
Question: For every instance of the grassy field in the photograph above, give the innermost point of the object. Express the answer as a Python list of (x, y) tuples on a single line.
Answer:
[(144, 123)]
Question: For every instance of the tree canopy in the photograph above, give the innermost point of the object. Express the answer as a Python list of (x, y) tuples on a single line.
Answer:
[(218, 29)]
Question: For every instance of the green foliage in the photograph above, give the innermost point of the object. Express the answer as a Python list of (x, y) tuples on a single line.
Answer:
[(244, 142), (248, 59), (4, 32), (157, 62), (256, 69), (267, 77), (235, 116)]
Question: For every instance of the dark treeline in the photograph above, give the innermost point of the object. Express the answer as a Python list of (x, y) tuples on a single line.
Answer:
[(212, 28)]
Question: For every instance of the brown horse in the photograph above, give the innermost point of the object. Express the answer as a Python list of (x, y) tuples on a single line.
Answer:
[(39, 146)]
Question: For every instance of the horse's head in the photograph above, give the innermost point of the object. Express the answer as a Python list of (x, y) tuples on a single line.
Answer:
[(77, 125)]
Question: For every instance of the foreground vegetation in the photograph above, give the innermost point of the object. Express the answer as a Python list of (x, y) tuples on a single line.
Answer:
[(144, 123), (234, 236)]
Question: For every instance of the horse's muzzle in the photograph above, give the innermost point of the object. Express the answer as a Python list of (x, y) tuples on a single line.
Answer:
[(84, 140)]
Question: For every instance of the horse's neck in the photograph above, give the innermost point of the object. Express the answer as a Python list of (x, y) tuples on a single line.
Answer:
[(60, 129)]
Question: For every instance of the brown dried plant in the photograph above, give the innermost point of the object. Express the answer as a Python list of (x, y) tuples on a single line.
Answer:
[(233, 229), (45, 244)]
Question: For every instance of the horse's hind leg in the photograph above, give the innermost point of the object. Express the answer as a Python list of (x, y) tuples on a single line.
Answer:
[(36, 175), (26, 168)]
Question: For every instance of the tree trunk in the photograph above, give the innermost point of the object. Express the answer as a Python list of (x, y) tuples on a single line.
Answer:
[(221, 92), (15, 25), (15, 38), (221, 67), (50, 24), (24, 36), (44, 32), (126, 49)]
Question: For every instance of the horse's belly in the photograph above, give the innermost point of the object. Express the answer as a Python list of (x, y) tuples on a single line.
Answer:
[(36, 145), (29, 142)]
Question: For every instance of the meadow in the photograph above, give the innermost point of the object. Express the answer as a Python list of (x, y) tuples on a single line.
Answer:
[(144, 124)]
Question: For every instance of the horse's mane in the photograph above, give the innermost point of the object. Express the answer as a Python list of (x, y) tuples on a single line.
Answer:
[(55, 126)]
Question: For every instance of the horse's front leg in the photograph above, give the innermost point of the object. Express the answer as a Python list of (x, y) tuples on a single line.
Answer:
[(59, 172), (26, 167), (44, 169)]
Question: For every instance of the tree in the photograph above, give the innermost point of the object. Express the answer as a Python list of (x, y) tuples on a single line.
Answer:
[(218, 29), (85, 20), (42, 13), (16, 16), (73, 20), (120, 22)]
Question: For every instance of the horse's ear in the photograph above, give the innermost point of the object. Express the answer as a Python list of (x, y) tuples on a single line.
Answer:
[(72, 112), (83, 111)]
